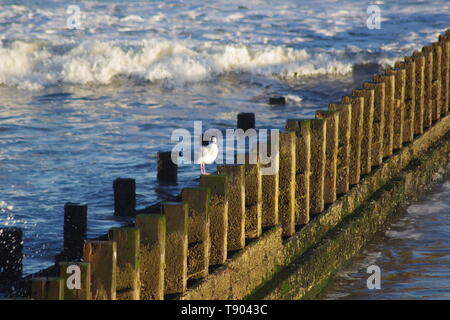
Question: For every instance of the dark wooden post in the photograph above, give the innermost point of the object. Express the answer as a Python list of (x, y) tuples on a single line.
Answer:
[(167, 169), (75, 228), (246, 121), (10, 255), (124, 197)]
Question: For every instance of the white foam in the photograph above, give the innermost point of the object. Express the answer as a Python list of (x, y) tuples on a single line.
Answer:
[(404, 234), (33, 65), (133, 18), (293, 99)]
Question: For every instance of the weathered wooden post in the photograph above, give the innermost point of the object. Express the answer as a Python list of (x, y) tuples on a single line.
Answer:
[(39, 288), (343, 157), (152, 255), (177, 220), (68, 272), (270, 183), (43, 288), (253, 197), (428, 82), (199, 236), (102, 255), (124, 197), (367, 128), (331, 152), (75, 228), (355, 137), (246, 120), (286, 204), (236, 205), (399, 105), (378, 121), (318, 160), (280, 100), (11, 255), (446, 38), (302, 129), (436, 90), (419, 64), (388, 137), (445, 73), (167, 169), (128, 284), (408, 121), (218, 216)]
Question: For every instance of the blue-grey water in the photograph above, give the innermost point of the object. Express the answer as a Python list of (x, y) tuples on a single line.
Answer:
[(79, 108)]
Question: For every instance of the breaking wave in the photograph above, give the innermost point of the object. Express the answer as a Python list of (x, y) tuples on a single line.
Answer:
[(34, 65)]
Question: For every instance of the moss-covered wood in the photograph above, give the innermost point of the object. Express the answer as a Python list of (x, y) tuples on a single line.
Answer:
[(128, 262), (102, 255), (177, 219), (302, 129), (198, 200), (287, 203), (218, 214), (152, 255), (236, 205)]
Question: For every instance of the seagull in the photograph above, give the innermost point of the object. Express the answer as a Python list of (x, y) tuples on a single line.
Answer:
[(206, 154)]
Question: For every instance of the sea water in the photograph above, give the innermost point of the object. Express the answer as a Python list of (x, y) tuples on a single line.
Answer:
[(81, 107)]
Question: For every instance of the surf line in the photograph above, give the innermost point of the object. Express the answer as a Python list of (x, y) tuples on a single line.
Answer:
[(193, 310)]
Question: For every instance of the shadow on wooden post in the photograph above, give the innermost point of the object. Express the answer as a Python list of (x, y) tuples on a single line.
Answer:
[(50, 288)]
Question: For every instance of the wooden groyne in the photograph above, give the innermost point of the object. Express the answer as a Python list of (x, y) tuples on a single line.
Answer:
[(243, 235)]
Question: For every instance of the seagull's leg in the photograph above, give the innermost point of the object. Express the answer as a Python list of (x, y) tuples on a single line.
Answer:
[(204, 170), (201, 168)]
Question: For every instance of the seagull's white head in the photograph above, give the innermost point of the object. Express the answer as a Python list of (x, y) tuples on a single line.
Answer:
[(214, 140)]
